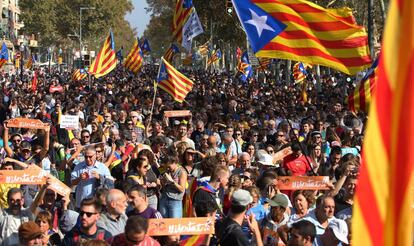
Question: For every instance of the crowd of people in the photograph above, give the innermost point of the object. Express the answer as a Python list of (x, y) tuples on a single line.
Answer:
[(127, 163)]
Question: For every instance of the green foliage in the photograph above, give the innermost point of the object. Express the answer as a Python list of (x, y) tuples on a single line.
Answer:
[(54, 20)]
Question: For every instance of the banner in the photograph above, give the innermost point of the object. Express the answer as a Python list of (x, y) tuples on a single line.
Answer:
[(26, 123), (183, 226), (302, 183), (69, 121), (30, 176), (282, 154), (56, 184), (177, 113), (191, 29)]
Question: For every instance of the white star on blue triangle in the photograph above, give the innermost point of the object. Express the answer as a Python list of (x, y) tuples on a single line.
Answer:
[(260, 27), (162, 74)]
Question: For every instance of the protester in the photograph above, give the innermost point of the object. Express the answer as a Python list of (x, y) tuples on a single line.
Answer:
[(89, 213), (180, 166)]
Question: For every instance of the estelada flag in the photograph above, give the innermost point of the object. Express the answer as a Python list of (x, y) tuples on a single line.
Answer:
[(173, 82), (105, 61), (134, 60), (303, 31), (383, 204), (4, 55)]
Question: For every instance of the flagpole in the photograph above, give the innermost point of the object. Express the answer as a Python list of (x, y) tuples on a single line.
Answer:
[(152, 109)]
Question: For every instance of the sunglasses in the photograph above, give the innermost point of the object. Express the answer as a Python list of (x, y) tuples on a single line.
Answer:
[(270, 151), (98, 151), (88, 214), (15, 201), (86, 136), (89, 156), (17, 140)]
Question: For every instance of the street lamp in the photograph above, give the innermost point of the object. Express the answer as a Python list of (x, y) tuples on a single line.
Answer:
[(21, 48), (80, 28)]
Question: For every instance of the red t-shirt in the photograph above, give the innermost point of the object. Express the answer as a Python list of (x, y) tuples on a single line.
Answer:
[(297, 165)]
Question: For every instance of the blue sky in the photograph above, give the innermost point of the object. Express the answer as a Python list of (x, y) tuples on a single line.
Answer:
[(138, 17)]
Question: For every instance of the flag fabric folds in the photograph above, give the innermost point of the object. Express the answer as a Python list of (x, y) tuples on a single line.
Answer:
[(361, 97), (194, 240), (173, 82), (303, 31), (105, 60), (299, 72), (4, 55), (191, 29), (144, 45), (182, 12), (204, 49), (79, 74), (244, 67), (264, 63), (134, 60), (30, 61), (171, 52), (214, 57), (383, 203)]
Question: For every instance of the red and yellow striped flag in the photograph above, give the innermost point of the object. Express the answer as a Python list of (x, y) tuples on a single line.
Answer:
[(105, 61), (79, 74), (264, 63), (316, 35), (173, 82), (383, 213), (361, 97), (134, 60), (182, 12)]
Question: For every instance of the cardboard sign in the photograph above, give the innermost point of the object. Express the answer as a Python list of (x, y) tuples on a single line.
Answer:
[(30, 176), (26, 123), (282, 154), (177, 113), (59, 187), (69, 121), (56, 184), (183, 226), (302, 182)]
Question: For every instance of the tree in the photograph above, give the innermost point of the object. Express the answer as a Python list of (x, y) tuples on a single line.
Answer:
[(54, 20)]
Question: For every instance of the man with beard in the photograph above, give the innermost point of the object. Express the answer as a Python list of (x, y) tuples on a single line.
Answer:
[(89, 214), (12, 217), (114, 218)]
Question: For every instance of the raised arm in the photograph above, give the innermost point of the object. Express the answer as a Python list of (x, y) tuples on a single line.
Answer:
[(7, 148)]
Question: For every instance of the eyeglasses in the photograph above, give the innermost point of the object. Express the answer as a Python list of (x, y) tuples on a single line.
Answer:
[(98, 151), (89, 156), (270, 151), (255, 135), (15, 201), (88, 214), (107, 116), (85, 136), (17, 140)]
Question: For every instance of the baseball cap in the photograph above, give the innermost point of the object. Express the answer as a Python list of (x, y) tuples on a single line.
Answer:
[(340, 229), (241, 197), (315, 133), (278, 200), (266, 159), (29, 231)]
